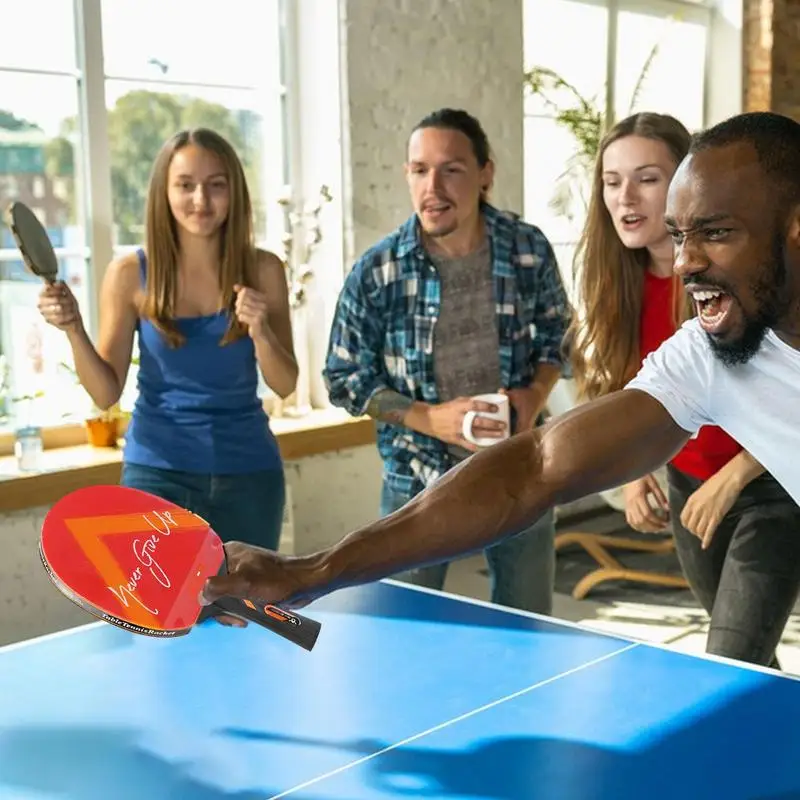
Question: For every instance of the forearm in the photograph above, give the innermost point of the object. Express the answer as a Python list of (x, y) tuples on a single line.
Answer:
[(742, 469), (278, 367), (472, 506), (545, 377), (95, 374), (394, 408), (501, 490)]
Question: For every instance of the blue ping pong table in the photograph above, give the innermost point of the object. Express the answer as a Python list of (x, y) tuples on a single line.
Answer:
[(409, 693)]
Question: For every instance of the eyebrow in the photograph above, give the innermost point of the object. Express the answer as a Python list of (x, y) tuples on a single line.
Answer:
[(698, 222), (422, 162), (638, 169), (184, 176)]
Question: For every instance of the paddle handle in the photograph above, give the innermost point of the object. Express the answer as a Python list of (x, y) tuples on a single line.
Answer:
[(296, 628)]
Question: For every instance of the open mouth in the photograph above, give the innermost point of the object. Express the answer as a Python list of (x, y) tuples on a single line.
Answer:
[(633, 221), (436, 209), (713, 307)]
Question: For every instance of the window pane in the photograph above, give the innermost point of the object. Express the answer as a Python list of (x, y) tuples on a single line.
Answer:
[(674, 81), (142, 117), (549, 150), (44, 38), (236, 47), (544, 24), (39, 140)]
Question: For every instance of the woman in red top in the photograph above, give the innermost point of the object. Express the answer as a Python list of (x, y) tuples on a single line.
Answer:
[(736, 530)]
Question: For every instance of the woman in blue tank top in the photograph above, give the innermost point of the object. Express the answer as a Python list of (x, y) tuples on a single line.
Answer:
[(211, 311)]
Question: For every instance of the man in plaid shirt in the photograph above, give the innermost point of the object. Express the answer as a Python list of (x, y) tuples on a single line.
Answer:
[(461, 300)]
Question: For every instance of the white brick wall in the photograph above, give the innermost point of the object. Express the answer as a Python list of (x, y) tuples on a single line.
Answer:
[(402, 60)]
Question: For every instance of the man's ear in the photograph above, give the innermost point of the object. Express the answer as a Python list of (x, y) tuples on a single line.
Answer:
[(793, 228)]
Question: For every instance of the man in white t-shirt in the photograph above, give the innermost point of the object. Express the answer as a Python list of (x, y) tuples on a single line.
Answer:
[(734, 212)]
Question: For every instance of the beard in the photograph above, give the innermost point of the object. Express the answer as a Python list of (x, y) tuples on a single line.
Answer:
[(769, 291)]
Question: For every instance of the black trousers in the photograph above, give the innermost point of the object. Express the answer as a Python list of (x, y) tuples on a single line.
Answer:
[(748, 579)]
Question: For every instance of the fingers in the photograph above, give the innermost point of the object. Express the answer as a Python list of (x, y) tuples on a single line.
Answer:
[(655, 489), (230, 585), (641, 517), (708, 537), (482, 405), (58, 306), (487, 426), (230, 621)]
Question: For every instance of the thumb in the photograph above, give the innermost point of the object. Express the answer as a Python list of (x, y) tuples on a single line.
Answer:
[(237, 287), (223, 586)]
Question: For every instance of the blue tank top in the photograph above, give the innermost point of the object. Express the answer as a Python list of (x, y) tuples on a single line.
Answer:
[(198, 408)]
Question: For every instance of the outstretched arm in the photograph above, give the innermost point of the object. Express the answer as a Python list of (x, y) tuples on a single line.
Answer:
[(492, 495)]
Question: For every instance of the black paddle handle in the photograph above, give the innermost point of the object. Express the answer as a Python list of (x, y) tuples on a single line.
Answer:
[(297, 629)]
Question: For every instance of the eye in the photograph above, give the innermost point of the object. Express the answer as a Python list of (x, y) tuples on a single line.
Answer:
[(716, 234), (677, 237)]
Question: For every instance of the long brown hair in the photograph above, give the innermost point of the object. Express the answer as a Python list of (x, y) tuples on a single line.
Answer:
[(237, 248), (603, 337)]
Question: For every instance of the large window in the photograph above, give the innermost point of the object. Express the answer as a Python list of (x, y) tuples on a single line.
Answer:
[(607, 60), (82, 116)]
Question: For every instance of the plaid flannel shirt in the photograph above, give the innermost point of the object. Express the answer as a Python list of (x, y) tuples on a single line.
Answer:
[(382, 333)]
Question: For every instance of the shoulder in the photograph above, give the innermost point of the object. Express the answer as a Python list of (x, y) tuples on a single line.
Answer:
[(680, 373), (382, 262), (267, 261), (528, 243), (269, 268), (124, 275)]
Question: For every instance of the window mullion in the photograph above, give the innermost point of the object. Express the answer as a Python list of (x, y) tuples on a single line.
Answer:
[(95, 162)]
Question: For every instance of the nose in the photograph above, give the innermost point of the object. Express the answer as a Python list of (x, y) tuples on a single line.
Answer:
[(689, 258), (200, 195), (628, 192), (435, 181)]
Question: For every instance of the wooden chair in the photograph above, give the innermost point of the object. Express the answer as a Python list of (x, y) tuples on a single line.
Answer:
[(599, 545)]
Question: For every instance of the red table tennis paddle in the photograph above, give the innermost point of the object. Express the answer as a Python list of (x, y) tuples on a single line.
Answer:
[(140, 562)]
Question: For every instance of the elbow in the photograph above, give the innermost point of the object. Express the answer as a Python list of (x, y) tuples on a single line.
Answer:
[(106, 400), (542, 483), (289, 384)]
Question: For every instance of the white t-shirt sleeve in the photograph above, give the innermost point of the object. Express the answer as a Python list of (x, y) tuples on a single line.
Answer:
[(678, 375)]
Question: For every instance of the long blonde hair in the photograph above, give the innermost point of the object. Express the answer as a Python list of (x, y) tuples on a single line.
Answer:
[(237, 248), (603, 339)]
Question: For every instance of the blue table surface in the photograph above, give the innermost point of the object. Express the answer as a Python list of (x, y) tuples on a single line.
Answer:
[(408, 693)]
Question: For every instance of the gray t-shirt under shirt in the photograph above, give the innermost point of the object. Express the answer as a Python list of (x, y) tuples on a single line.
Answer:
[(466, 345)]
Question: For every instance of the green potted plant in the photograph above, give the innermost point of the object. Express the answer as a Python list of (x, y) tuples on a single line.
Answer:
[(587, 123)]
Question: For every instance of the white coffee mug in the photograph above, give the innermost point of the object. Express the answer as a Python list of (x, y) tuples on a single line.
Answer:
[(502, 413)]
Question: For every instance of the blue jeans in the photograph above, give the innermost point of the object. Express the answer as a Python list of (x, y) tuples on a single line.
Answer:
[(246, 508), (521, 568)]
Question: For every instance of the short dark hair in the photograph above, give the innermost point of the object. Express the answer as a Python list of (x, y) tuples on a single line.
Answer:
[(776, 140), (456, 119)]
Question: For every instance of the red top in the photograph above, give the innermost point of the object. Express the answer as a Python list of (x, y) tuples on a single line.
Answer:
[(706, 454)]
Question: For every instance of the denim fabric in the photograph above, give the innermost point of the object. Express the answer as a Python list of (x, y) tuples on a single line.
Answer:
[(243, 507), (521, 568), (748, 579)]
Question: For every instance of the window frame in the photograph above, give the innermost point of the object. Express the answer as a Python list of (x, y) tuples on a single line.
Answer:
[(696, 11), (95, 206)]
